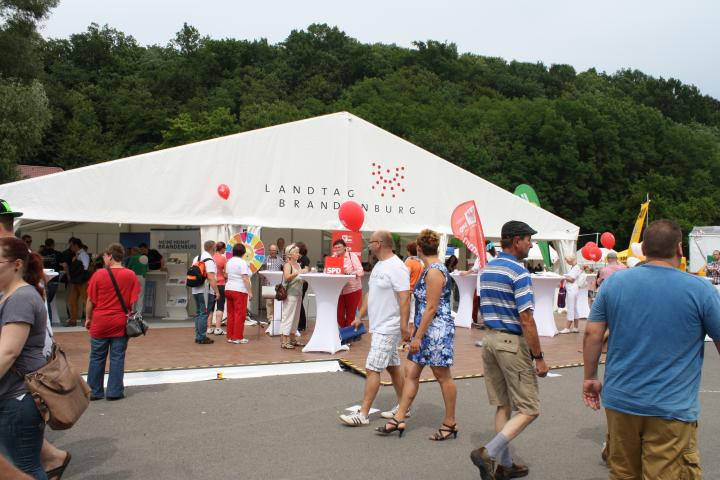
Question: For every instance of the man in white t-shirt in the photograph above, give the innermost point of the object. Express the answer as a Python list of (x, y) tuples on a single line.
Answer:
[(208, 288), (388, 307)]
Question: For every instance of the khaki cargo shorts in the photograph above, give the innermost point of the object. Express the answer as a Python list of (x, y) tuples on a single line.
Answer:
[(509, 373), (651, 448)]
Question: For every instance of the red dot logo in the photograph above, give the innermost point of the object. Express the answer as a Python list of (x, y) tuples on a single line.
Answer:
[(390, 176)]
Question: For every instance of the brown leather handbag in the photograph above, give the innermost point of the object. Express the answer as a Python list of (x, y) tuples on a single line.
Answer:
[(60, 393), (280, 292)]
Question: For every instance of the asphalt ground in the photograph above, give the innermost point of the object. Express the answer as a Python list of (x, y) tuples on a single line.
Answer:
[(286, 428)]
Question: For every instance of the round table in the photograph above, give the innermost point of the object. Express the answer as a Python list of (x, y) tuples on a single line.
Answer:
[(466, 287), (274, 277), (544, 286), (327, 288)]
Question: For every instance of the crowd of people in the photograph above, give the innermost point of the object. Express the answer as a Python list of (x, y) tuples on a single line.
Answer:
[(657, 317), (293, 261)]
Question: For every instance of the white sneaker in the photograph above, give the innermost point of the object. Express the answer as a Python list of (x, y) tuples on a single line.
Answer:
[(229, 341), (242, 340), (575, 330), (218, 331), (249, 322), (356, 419), (564, 330), (391, 413), (209, 330)]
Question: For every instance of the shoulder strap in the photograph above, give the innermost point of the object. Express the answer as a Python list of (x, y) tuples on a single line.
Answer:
[(117, 290), (354, 260)]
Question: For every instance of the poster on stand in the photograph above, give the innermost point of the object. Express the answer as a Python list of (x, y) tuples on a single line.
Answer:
[(169, 241), (353, 240)]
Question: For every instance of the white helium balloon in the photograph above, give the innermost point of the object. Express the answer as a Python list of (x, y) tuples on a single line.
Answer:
[(632, 261), (143, 259), (636, 249)]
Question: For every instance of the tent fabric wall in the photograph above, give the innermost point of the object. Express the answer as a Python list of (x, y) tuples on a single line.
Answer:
[(294, 175), (701, 243), (564, 248)]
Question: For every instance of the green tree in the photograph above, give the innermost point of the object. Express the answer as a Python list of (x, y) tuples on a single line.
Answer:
[(185, 129), (24, 114), (19, 39)]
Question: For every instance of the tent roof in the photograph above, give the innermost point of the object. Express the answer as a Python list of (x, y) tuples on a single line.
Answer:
[(293, 175), (536, 254), (703, 231)]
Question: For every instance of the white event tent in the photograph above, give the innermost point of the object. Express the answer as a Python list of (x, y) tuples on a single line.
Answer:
[(294, 175)]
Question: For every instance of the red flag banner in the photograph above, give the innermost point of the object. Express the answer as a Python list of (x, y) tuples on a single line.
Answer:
[(353, 240), (467, 227)]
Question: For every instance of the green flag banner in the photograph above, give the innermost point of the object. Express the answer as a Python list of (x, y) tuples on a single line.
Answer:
[(528, 193)]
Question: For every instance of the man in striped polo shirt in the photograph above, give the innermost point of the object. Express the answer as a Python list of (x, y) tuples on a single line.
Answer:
[(511, 346)]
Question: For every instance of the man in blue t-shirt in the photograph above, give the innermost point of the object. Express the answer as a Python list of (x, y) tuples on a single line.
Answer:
[(658, 317)]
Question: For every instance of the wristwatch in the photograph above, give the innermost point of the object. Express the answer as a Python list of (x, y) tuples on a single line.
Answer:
[(539, 357)]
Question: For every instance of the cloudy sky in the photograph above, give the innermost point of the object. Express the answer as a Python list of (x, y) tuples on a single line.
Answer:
[(660, 37)]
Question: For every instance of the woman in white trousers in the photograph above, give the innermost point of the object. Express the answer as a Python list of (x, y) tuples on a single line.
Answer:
[(572, 297)]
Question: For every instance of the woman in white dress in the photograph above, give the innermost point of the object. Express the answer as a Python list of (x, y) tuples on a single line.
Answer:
[(572, 298)]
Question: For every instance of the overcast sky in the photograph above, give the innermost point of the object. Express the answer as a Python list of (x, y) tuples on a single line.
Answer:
[(660, 37)]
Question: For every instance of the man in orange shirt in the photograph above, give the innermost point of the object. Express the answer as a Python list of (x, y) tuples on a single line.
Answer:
[(416, 267)]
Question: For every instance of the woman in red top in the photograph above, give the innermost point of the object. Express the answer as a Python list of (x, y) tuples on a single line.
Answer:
[(106, 321), (351, 295), (221, 278)]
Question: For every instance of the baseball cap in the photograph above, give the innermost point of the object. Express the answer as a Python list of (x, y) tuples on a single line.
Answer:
[(5, 209), (516, 228)]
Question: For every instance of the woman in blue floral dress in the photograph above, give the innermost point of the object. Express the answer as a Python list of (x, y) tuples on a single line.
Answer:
[(433, 341)]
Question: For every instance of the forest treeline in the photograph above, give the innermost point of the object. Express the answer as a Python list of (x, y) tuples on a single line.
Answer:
[(592, 144)]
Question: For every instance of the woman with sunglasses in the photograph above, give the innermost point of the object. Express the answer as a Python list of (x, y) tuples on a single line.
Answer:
[(23, 323)]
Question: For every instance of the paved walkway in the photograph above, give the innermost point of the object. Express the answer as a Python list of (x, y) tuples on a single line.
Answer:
[(286, 428), (165, 348)]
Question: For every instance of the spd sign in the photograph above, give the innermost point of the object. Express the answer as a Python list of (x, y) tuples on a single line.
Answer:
[(334, 265)]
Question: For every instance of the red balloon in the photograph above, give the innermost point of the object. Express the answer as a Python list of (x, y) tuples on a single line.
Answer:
[(224, 191), (607, 240), (585, 252), (595, 254), (351, 216), (591, 244)]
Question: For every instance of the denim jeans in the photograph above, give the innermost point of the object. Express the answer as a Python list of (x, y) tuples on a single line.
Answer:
[(21, 435), (99, 349), (201, 315)]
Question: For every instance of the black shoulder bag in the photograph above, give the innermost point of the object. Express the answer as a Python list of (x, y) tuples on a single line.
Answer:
[(135, 325)]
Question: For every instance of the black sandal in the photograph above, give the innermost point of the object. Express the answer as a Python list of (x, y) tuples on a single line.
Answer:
[(395, 427), (57, 472), (445, 432)]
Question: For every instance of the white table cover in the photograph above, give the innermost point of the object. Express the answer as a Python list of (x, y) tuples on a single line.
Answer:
[(273, 278), (466, 286), (544, 292), (327, 288)]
